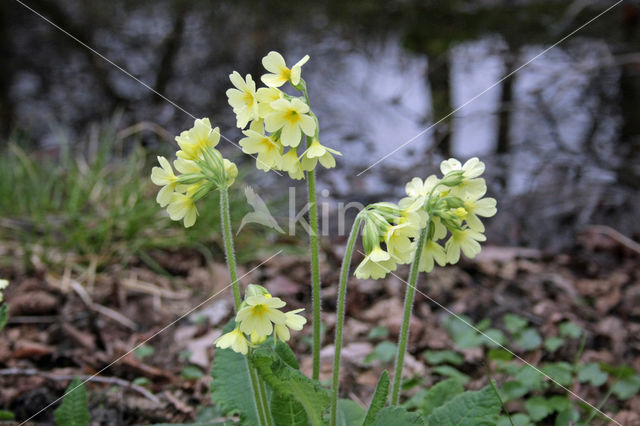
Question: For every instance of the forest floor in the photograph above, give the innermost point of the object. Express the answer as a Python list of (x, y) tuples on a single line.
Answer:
[(86, 321)]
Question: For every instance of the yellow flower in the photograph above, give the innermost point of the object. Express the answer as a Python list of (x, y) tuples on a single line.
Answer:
[(256, 142), (259, 314), (234, 339), (199, 137), (290, 116), (471, 169), (465, 240), (164, 176), (266, 95), (182, 207), (231, 170), (430, 252), (243, 99), (279, 73), (376, 264), (398, 242), (476, 206), (318, 152), (293, 321), (289, 163)]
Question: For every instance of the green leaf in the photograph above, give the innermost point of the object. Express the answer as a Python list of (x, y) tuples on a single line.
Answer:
[(349, 413), (529, 339), (570, 329), (191, 372), (441, 357), (518, 419), (514, 323), (553, 343), (626, 387), (379, 399), (448, 371), (530, 377), (386, 351), (144, 351), (538, 408), (74, 410), (592, 373), (500, 355), (471, 408), (493, 338), (438, 395), (379, 332), (513, 389), (559, 403), (567, 417), (231, 386), (4, 315), (286, 354), (6, 415), (291, 383), (461, 333), (286, 411), (397, 416), (561, 372)]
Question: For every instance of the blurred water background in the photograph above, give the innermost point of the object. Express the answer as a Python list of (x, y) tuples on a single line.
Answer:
[(561, 137)]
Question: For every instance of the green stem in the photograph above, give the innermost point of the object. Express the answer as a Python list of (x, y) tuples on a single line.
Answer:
[(229, 251), (315, 271), (265, 403), (225, 217), (342, 294), (406, 319)]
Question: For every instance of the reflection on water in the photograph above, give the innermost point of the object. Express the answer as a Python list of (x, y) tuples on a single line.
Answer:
[(560, 137)]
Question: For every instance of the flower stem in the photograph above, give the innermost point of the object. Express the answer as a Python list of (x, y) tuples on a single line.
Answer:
[(225, 218), (315, 271), (406, 319), (342, 293), (265, 403)]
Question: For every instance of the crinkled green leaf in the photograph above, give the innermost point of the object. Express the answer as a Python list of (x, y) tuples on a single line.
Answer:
[(514, 323), (74, 410), (471, 408), (379, 399), (231, 385), (626, 387), (449, 371), (442, 357), (438, 395), (397, 416), (286, 411), (592, 373), (286, 354), (538, 408), (291, 383), (349, 413)]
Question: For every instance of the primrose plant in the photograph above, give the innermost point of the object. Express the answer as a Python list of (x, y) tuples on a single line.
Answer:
[(255, 373)]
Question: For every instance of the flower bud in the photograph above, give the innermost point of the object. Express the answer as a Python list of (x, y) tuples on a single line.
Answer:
[(453, 178)]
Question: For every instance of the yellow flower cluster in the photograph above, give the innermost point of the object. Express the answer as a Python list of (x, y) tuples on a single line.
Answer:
[(200, 168), (448, 206), (258, 318), (3, 284), (277, 121)]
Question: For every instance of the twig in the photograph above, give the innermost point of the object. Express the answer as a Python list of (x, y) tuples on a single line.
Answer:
[(616, 236), (103, 310), (65, 377)]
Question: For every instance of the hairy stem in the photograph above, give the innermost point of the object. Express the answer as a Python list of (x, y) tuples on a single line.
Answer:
[(342, 294), (225, 217), (315, 271), (406, 319)]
